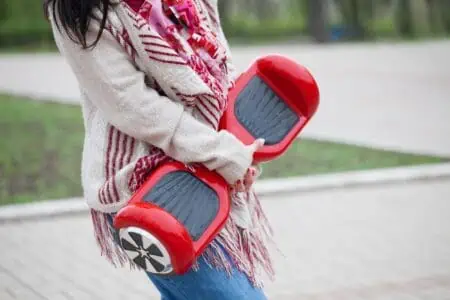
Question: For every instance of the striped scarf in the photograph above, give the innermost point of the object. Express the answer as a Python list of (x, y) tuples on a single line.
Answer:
[(179, 43)]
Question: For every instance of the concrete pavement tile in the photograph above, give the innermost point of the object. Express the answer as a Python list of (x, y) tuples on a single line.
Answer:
[(377, 242), (12, 287)]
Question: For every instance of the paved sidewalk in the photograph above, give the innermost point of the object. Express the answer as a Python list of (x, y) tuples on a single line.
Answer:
[(394, 96), (382, 243)]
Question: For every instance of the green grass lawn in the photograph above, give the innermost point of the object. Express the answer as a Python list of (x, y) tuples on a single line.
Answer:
[(27, 49), (308, 157), (41, 144), (40, 150)]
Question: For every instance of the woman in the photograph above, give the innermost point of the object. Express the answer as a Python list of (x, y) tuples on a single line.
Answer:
[(154, 75)]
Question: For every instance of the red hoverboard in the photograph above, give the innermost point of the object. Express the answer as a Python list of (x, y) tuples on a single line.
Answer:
[(179, 210)]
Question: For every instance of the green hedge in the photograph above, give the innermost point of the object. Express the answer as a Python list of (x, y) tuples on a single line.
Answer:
[(242, 29), (22, 22), (23, 26)]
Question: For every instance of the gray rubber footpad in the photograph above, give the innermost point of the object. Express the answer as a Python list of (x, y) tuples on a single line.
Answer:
[(189, 200), (263, 113)]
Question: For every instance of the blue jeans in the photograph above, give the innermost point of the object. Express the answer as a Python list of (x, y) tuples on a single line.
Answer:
[(207, 284)]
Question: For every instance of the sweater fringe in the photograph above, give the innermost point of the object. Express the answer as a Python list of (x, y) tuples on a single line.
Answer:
[(108, 241)]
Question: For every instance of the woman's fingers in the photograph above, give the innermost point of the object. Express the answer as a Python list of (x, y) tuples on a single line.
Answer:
[(258, 144), (250, 177), (246, 183), (252, 173), (239, 186)]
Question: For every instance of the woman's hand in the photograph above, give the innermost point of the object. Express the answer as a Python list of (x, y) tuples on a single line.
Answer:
[(252, 173), (246, 183)]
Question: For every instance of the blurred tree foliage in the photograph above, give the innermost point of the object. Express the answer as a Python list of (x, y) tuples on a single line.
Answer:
[(338, 19), (22, 22), (439, 15)]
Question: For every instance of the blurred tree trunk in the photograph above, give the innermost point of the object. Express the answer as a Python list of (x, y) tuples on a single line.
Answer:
[(439, 15), (444, 7), (264, 9), (368, 11), (318, 20), (404, 18), (354, 18), (433, 16), (358, 16), (246, 6), (224, 12), (3, 10)]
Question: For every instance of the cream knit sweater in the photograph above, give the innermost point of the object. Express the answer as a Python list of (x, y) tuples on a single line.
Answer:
[(125, 119), (131, 127)]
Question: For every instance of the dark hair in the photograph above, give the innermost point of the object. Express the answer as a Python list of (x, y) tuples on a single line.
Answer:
[(75, 16)]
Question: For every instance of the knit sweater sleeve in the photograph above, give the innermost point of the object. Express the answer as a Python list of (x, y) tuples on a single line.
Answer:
[(111, 81)]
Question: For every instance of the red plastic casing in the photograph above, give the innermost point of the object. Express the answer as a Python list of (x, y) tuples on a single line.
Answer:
[(291, 82), (297, 87), (172, 234)]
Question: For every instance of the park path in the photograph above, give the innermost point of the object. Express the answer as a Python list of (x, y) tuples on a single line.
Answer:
[(373, 243), (392, 96)]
